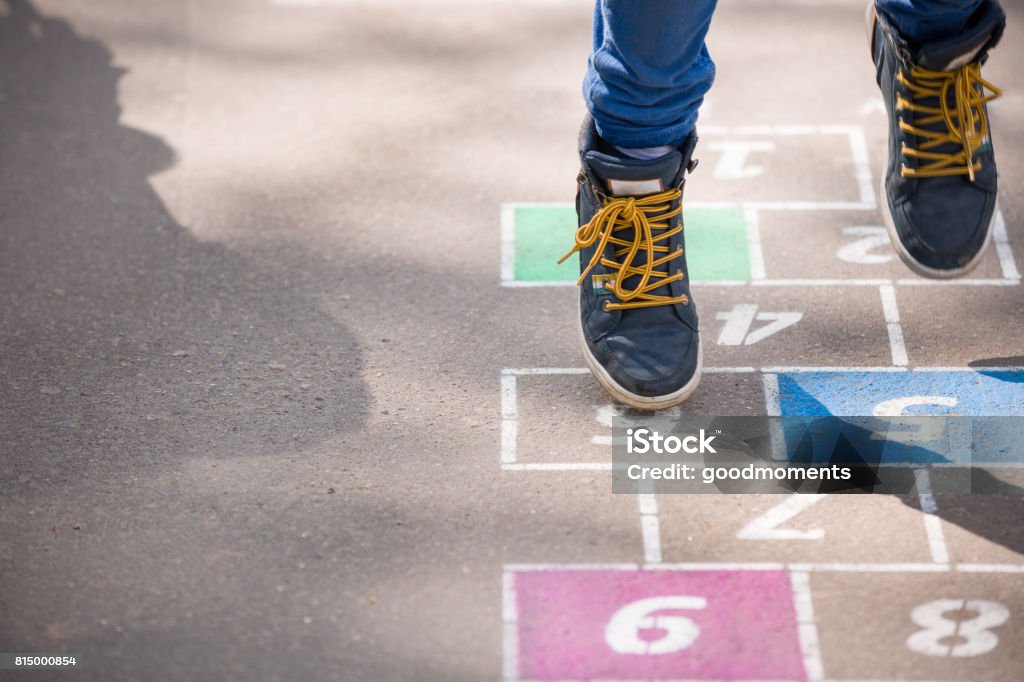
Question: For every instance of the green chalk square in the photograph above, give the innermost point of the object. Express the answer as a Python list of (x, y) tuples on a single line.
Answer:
[(716, 243)]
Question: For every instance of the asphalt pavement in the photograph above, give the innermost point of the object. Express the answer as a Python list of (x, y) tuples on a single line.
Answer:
[(289, 383)]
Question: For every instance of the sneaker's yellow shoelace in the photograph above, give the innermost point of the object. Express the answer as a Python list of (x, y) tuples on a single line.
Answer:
[(966, 125), (646, 216)]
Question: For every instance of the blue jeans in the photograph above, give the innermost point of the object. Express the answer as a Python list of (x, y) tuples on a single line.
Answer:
[(649, 68)]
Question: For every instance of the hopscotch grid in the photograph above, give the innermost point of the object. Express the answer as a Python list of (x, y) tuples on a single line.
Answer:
[(799, 573), (807, 629), (1004, 250), (868, 202), (769, 377)]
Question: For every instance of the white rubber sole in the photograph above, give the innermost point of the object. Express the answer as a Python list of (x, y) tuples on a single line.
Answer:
[(910, 261), (641, 402)]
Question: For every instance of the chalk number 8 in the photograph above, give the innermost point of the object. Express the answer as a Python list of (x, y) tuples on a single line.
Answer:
[(943, 636)]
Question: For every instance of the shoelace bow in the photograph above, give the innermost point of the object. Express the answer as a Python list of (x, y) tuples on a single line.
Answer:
[(646, 215), (966, 125)]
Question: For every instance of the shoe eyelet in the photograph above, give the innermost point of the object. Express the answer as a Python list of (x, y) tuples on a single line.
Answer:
[(604, 306)]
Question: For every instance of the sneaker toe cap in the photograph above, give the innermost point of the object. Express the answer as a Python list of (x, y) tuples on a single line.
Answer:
[(651, 362), (942, 233)]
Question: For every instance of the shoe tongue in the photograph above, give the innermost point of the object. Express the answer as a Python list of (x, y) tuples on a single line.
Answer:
[(950, 57), (633, 177), (981, 34)]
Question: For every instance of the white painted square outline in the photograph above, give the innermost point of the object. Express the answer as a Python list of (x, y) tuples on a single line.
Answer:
[(769, 377), (868, 202), (799, 575), (1000, 242)]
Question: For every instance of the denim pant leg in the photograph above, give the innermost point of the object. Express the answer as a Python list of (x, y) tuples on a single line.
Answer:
[(649, 69), (925, 20)]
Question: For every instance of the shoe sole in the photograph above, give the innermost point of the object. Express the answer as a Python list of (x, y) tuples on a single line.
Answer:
[(641, 402), (911, 262), (890, 225)]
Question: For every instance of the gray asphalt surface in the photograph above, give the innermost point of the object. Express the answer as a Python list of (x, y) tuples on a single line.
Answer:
[(253, 332)]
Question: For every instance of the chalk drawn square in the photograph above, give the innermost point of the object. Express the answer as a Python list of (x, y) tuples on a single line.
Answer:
[(657, 625)]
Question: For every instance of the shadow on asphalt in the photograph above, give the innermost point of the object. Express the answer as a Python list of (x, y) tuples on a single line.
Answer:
[(129, 352), (986, 515), (120, 329)]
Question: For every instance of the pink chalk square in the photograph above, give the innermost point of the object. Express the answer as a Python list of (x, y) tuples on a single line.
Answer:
[(657, 625)]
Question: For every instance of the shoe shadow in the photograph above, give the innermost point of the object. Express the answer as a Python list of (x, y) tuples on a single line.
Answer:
[(996, 368), (988, 513)]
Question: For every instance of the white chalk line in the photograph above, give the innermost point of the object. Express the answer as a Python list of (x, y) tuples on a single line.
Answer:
[(557, 466), (754, 247), (508, 242), (891, 312), (773, 369), (797, 282), (797, 567), (1003, 249), (608, 466), (861, 165), (932, 523), (773, 408), (650, 527), (807, 626), (778, 369), (789, 205), (510, 628), (509, 418)]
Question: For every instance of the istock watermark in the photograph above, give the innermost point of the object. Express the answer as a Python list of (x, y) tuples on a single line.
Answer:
[(759, 455), (643, 440), (749, 472)]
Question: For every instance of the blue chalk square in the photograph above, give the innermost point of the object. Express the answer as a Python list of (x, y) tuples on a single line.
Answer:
[(990, 395)]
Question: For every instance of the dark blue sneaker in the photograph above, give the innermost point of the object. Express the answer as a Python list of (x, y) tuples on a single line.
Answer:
[(939, 183), (638, 324)]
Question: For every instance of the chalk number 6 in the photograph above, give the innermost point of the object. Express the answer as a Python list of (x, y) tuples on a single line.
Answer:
[(622, 633)]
